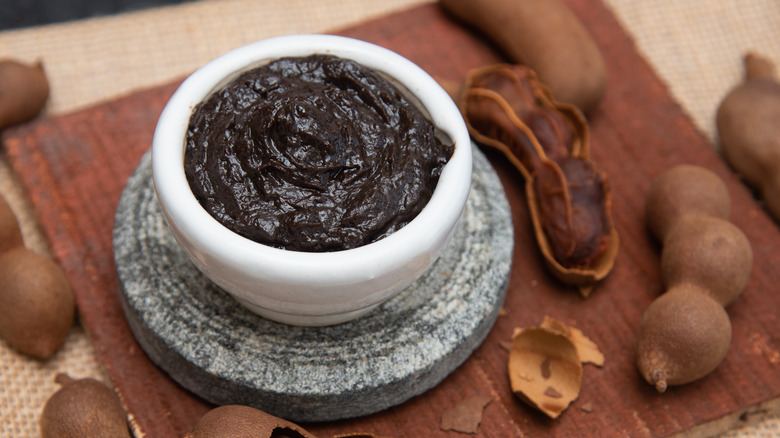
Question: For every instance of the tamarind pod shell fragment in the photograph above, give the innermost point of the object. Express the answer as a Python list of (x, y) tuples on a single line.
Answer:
[(546, 36), (544, 369), (528, 155)]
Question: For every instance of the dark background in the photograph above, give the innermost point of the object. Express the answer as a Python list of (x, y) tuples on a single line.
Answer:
[(16, 14)]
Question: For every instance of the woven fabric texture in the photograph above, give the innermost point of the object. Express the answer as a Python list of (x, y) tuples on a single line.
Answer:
[(696, 48)]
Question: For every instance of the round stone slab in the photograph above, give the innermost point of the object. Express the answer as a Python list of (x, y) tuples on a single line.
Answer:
[(226, 354)]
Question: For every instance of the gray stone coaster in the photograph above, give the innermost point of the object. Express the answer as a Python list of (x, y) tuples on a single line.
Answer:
[(219, 350)]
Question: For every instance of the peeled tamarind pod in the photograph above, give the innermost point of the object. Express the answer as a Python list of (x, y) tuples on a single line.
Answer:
[(10, 233), (683, 336), (747, 121), (506, 108), (709, 252), (546, 36), (681, 190)]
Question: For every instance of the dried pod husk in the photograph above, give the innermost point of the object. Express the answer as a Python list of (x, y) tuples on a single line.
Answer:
[(83, 408), (587, 350), (545, 370), (506, 108), (238, 421), (466, 415), (24, 90)]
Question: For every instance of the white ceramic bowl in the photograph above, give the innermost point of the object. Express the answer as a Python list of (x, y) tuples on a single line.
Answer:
[(307, 288)]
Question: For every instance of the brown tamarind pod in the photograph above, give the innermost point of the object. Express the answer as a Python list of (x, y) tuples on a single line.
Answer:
[(681, 190), (83, 408), (37, 305), (546, 36), (747, 122), (709, 252), (683, 336), (24, 90), (705, 264)]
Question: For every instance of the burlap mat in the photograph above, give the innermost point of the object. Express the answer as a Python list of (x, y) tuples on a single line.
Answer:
[(696, 47)]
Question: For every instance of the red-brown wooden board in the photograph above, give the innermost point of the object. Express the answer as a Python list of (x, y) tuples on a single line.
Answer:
[(74, 168)]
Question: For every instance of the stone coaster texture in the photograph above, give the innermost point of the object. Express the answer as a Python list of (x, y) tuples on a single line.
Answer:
[(226, 354)]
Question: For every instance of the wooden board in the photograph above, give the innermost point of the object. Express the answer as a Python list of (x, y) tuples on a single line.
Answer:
[(74, 167)]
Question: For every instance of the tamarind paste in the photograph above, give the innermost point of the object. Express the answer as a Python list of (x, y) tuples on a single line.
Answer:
[(314, 153)]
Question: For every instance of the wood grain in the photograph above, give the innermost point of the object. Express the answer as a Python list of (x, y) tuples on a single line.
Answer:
[(74, 167)]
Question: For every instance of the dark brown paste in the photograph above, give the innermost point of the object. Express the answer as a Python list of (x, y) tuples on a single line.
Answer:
[(314, 153)]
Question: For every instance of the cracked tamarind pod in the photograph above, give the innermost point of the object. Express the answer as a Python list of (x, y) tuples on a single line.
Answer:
[(508, 109), (705, 264)]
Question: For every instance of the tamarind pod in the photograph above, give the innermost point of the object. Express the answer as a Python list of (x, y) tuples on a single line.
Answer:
[(747, 128), (505, 107), (706, 262), (546, 36), (24, 91)]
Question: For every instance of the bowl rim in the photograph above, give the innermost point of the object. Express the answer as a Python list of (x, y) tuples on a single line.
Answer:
[(235, 251)]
